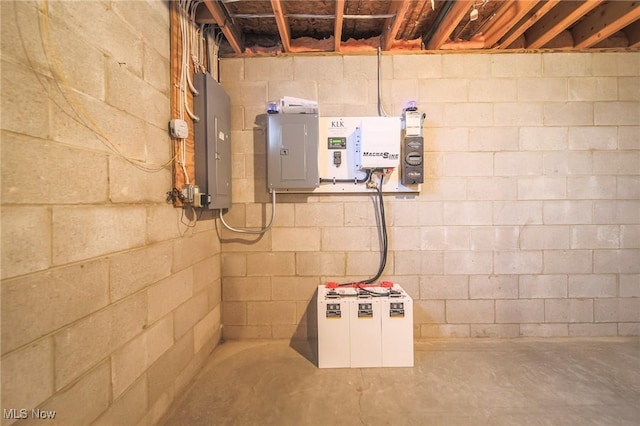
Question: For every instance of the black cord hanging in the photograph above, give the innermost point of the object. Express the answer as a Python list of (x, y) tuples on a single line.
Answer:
[(384, 246)]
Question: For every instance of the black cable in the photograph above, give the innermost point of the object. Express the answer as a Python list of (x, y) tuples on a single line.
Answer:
[(384, 246), (383, 231)]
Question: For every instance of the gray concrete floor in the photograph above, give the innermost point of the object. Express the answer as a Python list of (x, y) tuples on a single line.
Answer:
[(454, 382)]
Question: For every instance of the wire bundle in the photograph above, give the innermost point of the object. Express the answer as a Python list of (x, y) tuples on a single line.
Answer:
[(384, 243)]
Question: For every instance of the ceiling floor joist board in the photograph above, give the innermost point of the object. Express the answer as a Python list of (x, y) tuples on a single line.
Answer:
[(633, 34), (337, 32), (291, 26), (529, 21), (283, 25), (226, 25), (509, 14), (560, 18), (392, 25), (458, 11), (602, 23)]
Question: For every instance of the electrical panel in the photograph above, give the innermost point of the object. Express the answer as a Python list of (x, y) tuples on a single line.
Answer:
[(372, 328), (212, 136), (292, 151)]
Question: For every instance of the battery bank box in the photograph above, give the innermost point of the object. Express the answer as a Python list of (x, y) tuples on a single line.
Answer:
[(372, 328)]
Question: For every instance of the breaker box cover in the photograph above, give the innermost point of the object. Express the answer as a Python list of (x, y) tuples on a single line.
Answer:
[(292, 151), (212, 135)]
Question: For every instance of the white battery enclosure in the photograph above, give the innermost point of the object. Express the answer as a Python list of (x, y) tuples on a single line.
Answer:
[(358, 330), (333, 320), (365, 333), (397, 331)]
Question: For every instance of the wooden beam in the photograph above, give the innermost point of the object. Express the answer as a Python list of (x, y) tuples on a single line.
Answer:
[(633, 34), (552, 24), (337, 28), (283, 25), (392, 25), (508, 15), (604, 22), (228, 28), (203, 16), (515, 33), (457, 12), (175, 55)]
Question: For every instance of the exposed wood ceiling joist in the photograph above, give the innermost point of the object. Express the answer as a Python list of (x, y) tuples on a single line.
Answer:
[(633, 34), (519, 29), (508, 15), (226, 25), (459, 10), (337, 31), (283, 25), (392, 25), (560, 18), (271, 27), (611, 18)]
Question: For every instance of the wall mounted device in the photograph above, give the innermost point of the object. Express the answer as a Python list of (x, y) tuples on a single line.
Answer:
[(379, 141), (178, 128), (350, 147), (365, 328), (412, 147), (212, 136), (291, 105), (292, 151)]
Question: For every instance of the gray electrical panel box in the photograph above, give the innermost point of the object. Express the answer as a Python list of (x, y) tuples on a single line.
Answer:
[(292, 151), (212, 135)]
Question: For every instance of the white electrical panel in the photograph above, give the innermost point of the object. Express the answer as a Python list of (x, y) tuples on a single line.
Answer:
[(365, 328)]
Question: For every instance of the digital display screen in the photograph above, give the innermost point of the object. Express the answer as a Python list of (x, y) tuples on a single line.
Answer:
[(337, 142)]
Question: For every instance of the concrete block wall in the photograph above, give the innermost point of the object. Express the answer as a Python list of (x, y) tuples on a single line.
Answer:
[(528, 221), (110, 304)]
